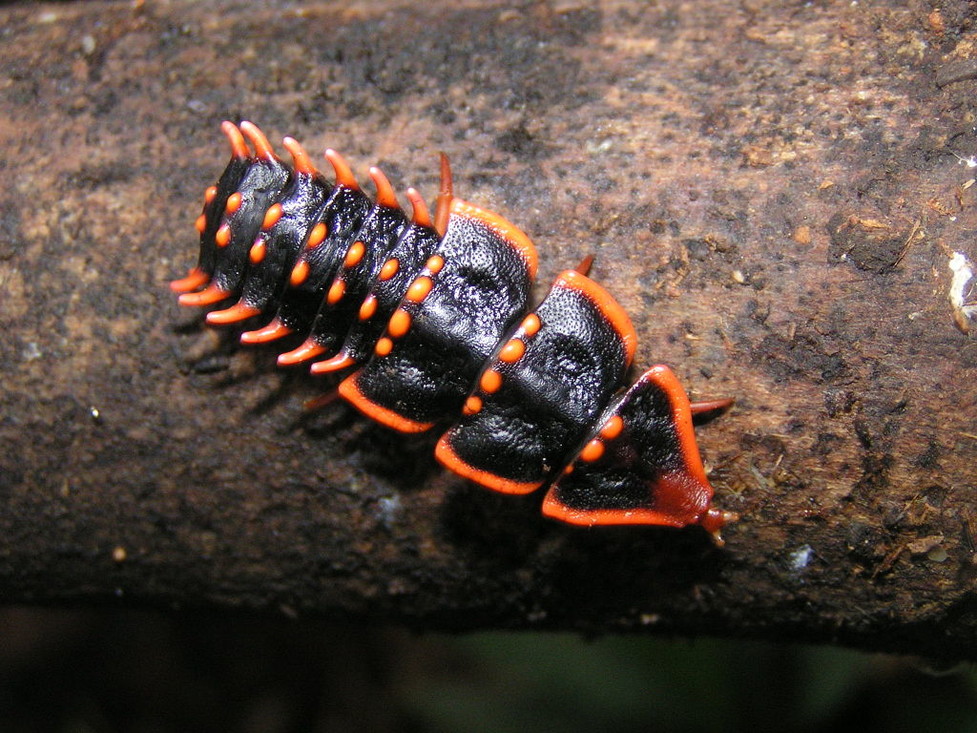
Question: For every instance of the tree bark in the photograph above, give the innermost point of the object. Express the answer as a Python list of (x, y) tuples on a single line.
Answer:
[(774, 192)]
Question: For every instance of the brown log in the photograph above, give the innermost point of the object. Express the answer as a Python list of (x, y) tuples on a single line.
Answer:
[(774, 191)]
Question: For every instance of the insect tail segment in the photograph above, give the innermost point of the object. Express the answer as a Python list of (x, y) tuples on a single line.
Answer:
[(640, 465)]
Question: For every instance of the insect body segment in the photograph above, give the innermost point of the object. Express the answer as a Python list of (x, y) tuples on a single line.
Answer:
[(387, 274), (436, 312), (243, 212), (640, 465), (549, 381), (215, 201), (277, 240)]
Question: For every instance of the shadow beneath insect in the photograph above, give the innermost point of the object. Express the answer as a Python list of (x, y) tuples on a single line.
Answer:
[(406, 462), (216, 349), (606, 570), (402, 462), (213, 348), (189, 325), (496, 532), (601, 566), (631, 575), (291, 382), (193, 322)]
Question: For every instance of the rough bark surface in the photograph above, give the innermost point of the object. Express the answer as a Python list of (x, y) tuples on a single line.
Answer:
[(773, 190)]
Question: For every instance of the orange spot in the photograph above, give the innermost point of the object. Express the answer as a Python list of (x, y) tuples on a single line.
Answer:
[(272, 216), (472, 405), (512, 351), (233, 203), (419, 289), (384, 346), (612, 428), (257, 253), (592, 451), (299, 273), (210, 194), (389, 269), (336, 291), (223, 236), (399, 323), (490, 381), (568, 470), (531, 324), (354, 254), (434, 264), (200, 224), (368, 308), (318, 233)]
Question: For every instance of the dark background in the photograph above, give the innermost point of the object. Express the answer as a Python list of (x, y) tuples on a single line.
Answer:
[(112, 670)]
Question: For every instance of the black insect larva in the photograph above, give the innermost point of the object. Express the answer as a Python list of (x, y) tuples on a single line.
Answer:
[(435, 312)]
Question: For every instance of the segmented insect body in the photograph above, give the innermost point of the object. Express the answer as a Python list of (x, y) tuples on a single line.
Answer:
[(435, 313)]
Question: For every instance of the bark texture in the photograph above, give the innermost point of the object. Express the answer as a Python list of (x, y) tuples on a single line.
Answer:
[(773, 190)]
